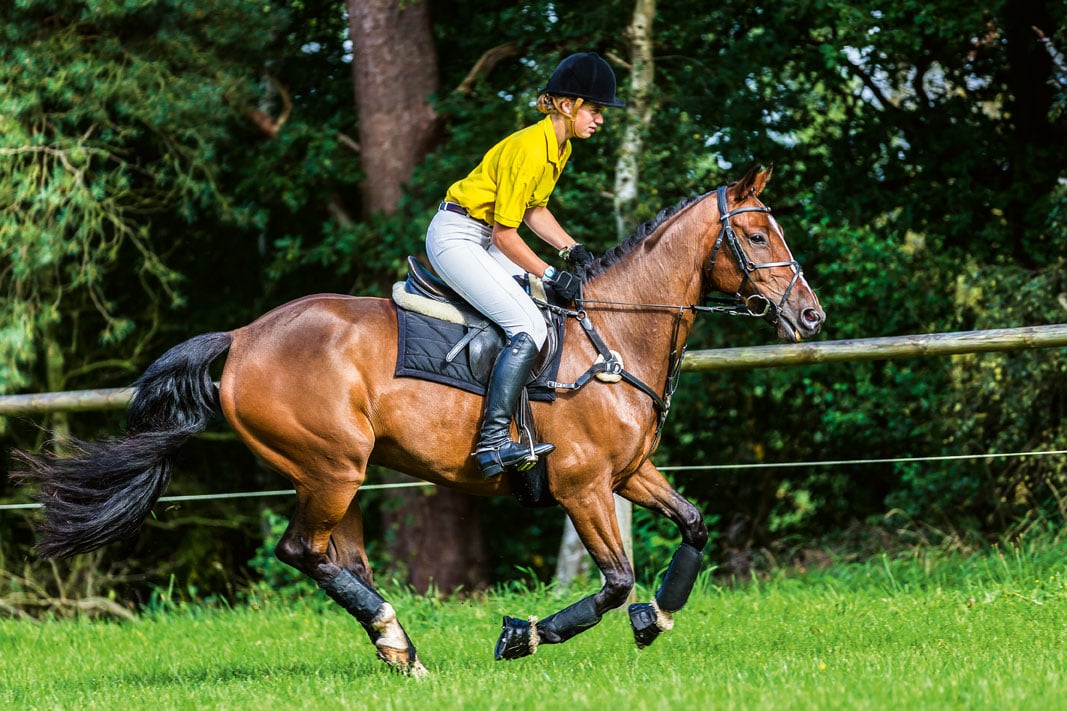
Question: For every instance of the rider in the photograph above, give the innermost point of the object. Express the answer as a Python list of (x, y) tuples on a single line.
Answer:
[(474, 244)]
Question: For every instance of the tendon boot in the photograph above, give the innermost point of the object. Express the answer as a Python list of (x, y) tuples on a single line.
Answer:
[(496, 451)]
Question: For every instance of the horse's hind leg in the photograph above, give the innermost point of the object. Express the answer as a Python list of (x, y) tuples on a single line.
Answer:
[(324, 540), (648, 488)]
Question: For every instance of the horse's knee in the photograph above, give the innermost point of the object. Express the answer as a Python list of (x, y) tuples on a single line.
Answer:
[(694, 530), (616, 590)]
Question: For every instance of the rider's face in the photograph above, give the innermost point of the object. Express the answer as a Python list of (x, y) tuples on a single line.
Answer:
[(588, 119)]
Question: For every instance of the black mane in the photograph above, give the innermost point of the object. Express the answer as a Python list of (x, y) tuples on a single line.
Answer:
[(619, 251)]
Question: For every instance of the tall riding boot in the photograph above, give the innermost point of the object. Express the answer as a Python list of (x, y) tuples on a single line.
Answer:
[(496, 450)]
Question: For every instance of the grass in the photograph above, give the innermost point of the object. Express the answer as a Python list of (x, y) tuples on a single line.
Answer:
[(980, 632)]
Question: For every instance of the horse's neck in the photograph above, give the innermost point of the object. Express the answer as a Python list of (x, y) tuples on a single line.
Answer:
[(668, 265), (664, 270)]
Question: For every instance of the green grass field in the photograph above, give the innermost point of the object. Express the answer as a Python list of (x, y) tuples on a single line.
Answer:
[(981, 632)]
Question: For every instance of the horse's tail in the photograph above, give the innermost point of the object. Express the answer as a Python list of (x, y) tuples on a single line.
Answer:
[(104, 491)]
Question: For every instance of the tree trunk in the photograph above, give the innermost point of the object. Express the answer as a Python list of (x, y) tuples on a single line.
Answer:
[(572, 561), (639, 108), (55, 380), (435, 537), (394, 66)]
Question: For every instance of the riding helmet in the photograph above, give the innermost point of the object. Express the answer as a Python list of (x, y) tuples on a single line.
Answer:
[(584, 76)]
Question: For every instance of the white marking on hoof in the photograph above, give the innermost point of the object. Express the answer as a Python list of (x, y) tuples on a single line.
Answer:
[(417, 670), (664, 619), (385, 624), (535, 638)]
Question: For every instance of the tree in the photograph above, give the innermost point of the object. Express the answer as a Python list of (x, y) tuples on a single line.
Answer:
[(111, 123), (395, 72), (572, 560), (113, 118), (434, 537)]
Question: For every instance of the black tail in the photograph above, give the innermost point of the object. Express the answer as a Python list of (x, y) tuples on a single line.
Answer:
[(105, 490)]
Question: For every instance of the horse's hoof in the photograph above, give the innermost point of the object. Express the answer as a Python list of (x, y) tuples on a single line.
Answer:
[(643, 620), (517, 639), (401, 661), (417, 670)]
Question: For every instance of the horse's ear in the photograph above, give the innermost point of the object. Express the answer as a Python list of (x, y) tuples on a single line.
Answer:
[(754, 181)]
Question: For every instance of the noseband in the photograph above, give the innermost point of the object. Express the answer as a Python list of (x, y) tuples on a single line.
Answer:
[(744, 304)]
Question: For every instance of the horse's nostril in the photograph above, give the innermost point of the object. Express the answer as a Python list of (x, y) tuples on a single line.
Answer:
[(812, 317)]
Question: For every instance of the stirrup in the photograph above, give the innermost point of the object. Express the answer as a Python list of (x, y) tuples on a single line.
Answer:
[(493, 460)]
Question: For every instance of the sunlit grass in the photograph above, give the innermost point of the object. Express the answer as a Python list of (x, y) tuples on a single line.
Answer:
[(986, 631)]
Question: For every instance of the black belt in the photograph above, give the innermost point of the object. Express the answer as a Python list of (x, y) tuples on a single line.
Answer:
[(459, 210)]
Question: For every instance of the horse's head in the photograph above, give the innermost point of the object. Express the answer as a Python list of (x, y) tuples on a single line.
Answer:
[(751, 260)]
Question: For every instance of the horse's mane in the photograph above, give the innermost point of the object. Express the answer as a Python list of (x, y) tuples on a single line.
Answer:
[(616, 253)]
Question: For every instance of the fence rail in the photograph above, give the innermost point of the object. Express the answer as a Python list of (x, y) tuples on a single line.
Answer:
[(724, 359), (885, 348)]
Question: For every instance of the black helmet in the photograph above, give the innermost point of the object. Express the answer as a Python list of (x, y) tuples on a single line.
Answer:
[(584, 76)]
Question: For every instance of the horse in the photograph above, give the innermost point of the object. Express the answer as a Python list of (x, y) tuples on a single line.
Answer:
[(310, 389)]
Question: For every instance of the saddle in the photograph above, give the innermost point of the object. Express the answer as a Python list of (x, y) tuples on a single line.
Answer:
[(444, 340)]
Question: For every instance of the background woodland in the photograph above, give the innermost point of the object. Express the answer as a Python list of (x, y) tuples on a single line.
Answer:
[(169, 168)]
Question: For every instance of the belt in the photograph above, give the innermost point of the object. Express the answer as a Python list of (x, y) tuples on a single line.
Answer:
[(459, 210)]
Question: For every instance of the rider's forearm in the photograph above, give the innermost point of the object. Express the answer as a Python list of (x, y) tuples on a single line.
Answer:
[(544, 224), (508, 241)]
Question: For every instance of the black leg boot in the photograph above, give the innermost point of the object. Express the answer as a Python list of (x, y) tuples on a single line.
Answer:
[(496, 450)]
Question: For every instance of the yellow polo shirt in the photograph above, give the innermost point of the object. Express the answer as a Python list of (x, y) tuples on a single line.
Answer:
[(516, 174)]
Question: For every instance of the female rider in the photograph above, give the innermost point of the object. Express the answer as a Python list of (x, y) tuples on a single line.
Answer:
[(474, 244)]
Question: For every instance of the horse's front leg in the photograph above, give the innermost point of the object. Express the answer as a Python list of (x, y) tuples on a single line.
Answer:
[(647, 487), (593, 514)]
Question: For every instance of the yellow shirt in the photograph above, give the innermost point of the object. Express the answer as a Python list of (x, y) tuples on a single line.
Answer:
[(516, 174)]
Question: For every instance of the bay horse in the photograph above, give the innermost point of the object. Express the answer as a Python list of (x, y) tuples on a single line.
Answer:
[(310, 389)]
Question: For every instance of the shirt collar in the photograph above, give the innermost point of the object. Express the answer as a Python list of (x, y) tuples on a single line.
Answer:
[(552, 147)]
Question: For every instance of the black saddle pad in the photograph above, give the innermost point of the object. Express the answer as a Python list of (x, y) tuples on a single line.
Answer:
[(463, 355)]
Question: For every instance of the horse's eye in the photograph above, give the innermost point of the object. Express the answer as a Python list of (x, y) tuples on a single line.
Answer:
[(758, 238)]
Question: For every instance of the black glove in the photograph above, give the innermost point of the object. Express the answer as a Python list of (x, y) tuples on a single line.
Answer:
[(566, 285), (579, 256)]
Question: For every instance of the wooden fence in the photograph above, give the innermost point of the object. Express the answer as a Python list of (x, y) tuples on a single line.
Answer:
[(863, 349)]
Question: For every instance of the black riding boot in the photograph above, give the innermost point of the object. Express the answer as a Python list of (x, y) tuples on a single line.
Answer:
[(496, 450)]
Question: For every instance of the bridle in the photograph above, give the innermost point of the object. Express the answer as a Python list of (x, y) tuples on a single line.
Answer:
[(741, 304), (738, 305)]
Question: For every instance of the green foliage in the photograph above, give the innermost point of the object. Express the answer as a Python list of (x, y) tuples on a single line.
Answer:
[(273, 577), (113, 117)]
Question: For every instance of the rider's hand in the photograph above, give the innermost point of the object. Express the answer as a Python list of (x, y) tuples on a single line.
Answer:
[(565, 284), (579, 256)]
